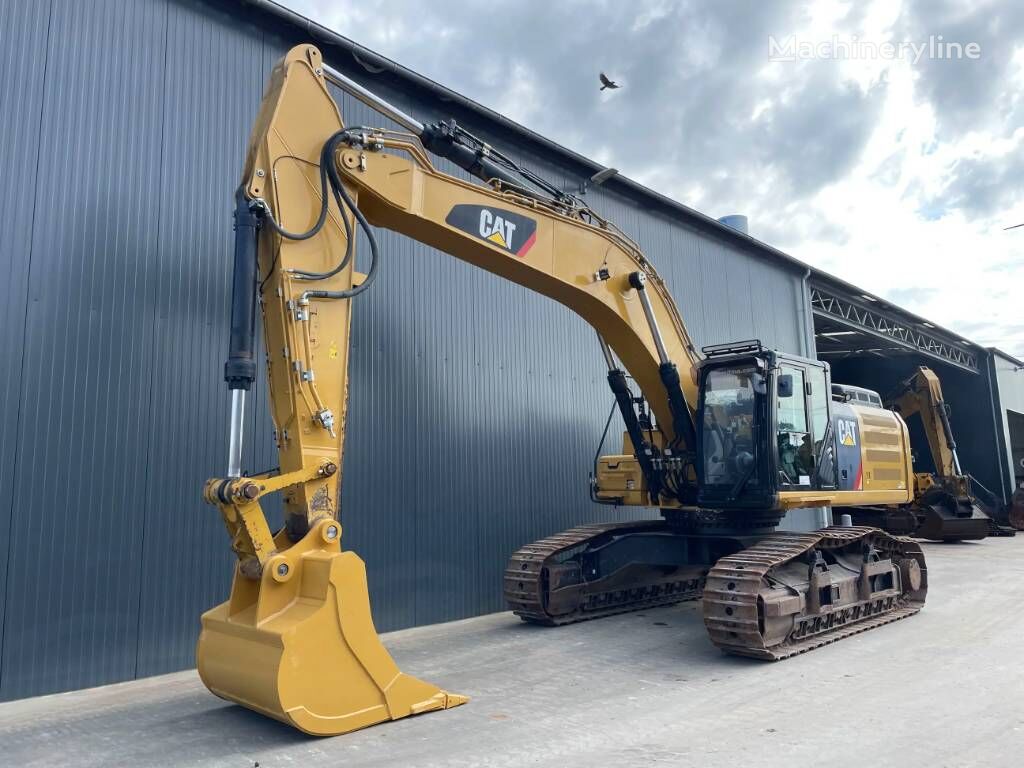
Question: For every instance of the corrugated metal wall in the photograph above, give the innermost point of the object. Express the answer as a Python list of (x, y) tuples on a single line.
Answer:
[(475, 407)]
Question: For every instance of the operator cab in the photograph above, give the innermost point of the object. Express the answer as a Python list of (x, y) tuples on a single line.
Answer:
[(763, 426), (847, 393)]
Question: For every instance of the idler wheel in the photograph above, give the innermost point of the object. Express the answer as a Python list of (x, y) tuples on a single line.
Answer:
[(910, 570)]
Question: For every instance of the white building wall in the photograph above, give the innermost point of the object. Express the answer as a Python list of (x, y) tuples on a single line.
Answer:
[(1010, 380)]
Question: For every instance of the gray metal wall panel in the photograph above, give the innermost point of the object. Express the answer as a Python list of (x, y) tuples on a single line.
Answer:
[(20, 115), (475, 405), (208, 97), (72, 590)]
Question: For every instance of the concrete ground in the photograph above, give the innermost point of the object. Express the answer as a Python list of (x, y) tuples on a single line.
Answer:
[(943, 688)]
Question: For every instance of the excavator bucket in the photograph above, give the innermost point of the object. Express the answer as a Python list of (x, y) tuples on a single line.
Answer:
[(299, 644), (946, 517)]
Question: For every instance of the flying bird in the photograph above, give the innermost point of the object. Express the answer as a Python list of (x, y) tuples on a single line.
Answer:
[(606, 83)]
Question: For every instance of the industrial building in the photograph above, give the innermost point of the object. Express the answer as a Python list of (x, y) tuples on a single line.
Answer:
[(872, 343), (122, 134)]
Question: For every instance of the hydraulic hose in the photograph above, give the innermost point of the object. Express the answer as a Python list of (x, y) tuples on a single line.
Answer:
[(327, 161), (597, 457), (303, 275), (329, 177), (269, 217), (355, 290)]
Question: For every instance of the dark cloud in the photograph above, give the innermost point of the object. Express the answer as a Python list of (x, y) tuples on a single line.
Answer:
[(684, 118), (971, 95), (968, 94), (818, 136), (703, 115), (983, 186)]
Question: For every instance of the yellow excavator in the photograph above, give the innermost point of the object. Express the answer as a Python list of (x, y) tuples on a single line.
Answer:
[(722, 442), (945, 506)]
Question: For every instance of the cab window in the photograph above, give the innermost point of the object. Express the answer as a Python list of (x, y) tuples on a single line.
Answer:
[(728, 425), (796, 448), (819, 406), (819, 403)]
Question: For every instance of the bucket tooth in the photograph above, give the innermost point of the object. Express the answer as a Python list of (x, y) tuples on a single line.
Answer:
[(299, 645)]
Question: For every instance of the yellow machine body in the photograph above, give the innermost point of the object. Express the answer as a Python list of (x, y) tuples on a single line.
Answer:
[(295, 640), (885, 469)]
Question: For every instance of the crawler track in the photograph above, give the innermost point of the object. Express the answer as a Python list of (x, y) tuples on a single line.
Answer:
[(734, 605), (765, 601), (536, 572)]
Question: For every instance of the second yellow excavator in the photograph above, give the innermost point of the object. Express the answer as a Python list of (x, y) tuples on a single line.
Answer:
[(722, 443), (945, 506)]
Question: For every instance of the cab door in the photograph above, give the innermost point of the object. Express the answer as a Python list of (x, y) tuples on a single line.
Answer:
[(805, 456)]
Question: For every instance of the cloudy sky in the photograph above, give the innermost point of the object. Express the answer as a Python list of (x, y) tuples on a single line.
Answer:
[(854, 135)]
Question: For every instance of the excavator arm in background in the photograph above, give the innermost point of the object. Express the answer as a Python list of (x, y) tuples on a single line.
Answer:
[(295, 640), (944, 505), (922, 394)]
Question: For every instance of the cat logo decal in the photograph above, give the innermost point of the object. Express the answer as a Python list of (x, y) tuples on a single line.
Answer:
[(846, 430), (508, 230)]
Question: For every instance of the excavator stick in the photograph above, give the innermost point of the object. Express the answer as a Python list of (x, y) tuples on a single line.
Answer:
[(295, 640)]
